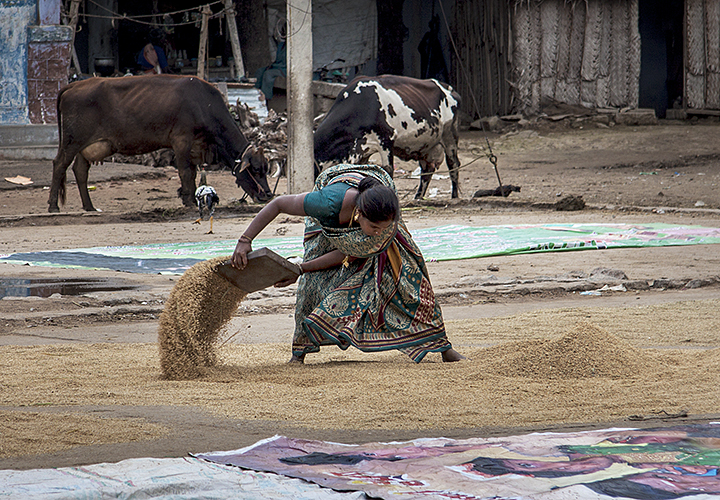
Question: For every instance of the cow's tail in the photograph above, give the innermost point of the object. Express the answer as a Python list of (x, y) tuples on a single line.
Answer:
[(63, 174), (61, 190), (59, 113), (449, 88)]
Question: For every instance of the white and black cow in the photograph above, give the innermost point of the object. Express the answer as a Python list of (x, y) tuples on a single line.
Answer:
[(392, 116)]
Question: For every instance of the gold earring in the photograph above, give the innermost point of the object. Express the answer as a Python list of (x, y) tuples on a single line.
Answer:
[(357, 216)]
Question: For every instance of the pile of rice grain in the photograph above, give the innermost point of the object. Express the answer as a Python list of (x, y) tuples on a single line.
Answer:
[(199, 306), (586, 351)]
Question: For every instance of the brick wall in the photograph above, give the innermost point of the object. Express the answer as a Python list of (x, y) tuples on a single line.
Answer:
[(48, 63)]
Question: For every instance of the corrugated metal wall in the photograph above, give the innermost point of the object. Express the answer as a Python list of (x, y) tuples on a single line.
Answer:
[(482, 72), (583, 52), (702, 58)]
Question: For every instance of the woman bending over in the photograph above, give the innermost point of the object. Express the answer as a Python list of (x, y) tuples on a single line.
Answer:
[(364, 282)]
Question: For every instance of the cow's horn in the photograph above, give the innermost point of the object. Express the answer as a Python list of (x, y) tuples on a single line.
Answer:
[(244, 161)]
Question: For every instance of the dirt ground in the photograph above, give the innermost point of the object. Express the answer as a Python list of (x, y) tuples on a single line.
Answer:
[(69, 393)]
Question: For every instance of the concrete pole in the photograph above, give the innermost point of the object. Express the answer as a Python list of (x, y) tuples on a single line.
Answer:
[(234, 39), (300, 96)]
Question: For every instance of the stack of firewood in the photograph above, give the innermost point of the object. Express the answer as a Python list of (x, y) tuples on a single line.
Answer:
[(271, 134)]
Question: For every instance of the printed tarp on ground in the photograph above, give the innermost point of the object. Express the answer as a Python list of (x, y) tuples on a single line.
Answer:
[(437, 244), (661, 463), (159, 479)]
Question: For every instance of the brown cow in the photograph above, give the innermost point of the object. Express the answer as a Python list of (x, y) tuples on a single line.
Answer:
[(134, 115)]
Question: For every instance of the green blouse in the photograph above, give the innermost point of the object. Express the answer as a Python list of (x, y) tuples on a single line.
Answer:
[(325, 204)]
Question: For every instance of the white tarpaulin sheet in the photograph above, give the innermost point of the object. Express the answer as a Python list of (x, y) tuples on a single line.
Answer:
[(160, 479), (346, 30)]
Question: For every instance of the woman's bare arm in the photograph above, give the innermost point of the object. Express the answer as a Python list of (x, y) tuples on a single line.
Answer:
[(325, 261), (288, 204)]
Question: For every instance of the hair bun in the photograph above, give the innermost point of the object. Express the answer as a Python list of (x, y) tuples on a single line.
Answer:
[(376, 201), (367, 183)]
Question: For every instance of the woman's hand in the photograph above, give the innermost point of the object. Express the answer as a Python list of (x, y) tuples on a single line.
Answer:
[(286, 282), (239, 256), (292, 280)]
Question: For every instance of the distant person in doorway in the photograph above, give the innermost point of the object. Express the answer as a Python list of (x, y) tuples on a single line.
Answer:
[(432, 60), (152, 58), (266, 76)]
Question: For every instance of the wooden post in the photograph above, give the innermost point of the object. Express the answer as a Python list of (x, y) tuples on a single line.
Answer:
[(72, 22), (76, 62), (202, 52), (234, 39)]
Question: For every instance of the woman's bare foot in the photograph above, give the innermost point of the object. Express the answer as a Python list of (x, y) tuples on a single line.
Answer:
[(452, 355), (297, 359)]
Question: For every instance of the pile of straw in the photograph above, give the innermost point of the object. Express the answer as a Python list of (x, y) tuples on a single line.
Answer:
[(199, 306)]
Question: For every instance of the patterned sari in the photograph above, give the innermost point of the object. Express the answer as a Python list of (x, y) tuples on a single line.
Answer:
[(382, 300)]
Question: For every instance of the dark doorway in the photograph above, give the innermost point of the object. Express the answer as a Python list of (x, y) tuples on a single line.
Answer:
[(661, 59), (392, 34)]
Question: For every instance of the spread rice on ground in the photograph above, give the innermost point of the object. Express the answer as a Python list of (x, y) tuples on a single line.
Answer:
[(585, 351)]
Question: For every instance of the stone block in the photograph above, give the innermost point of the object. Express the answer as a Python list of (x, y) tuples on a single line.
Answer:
[(675, 114), (35, 111), (48, 110), (640, 116), (49, 89), (57, 71), (37, 69)]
